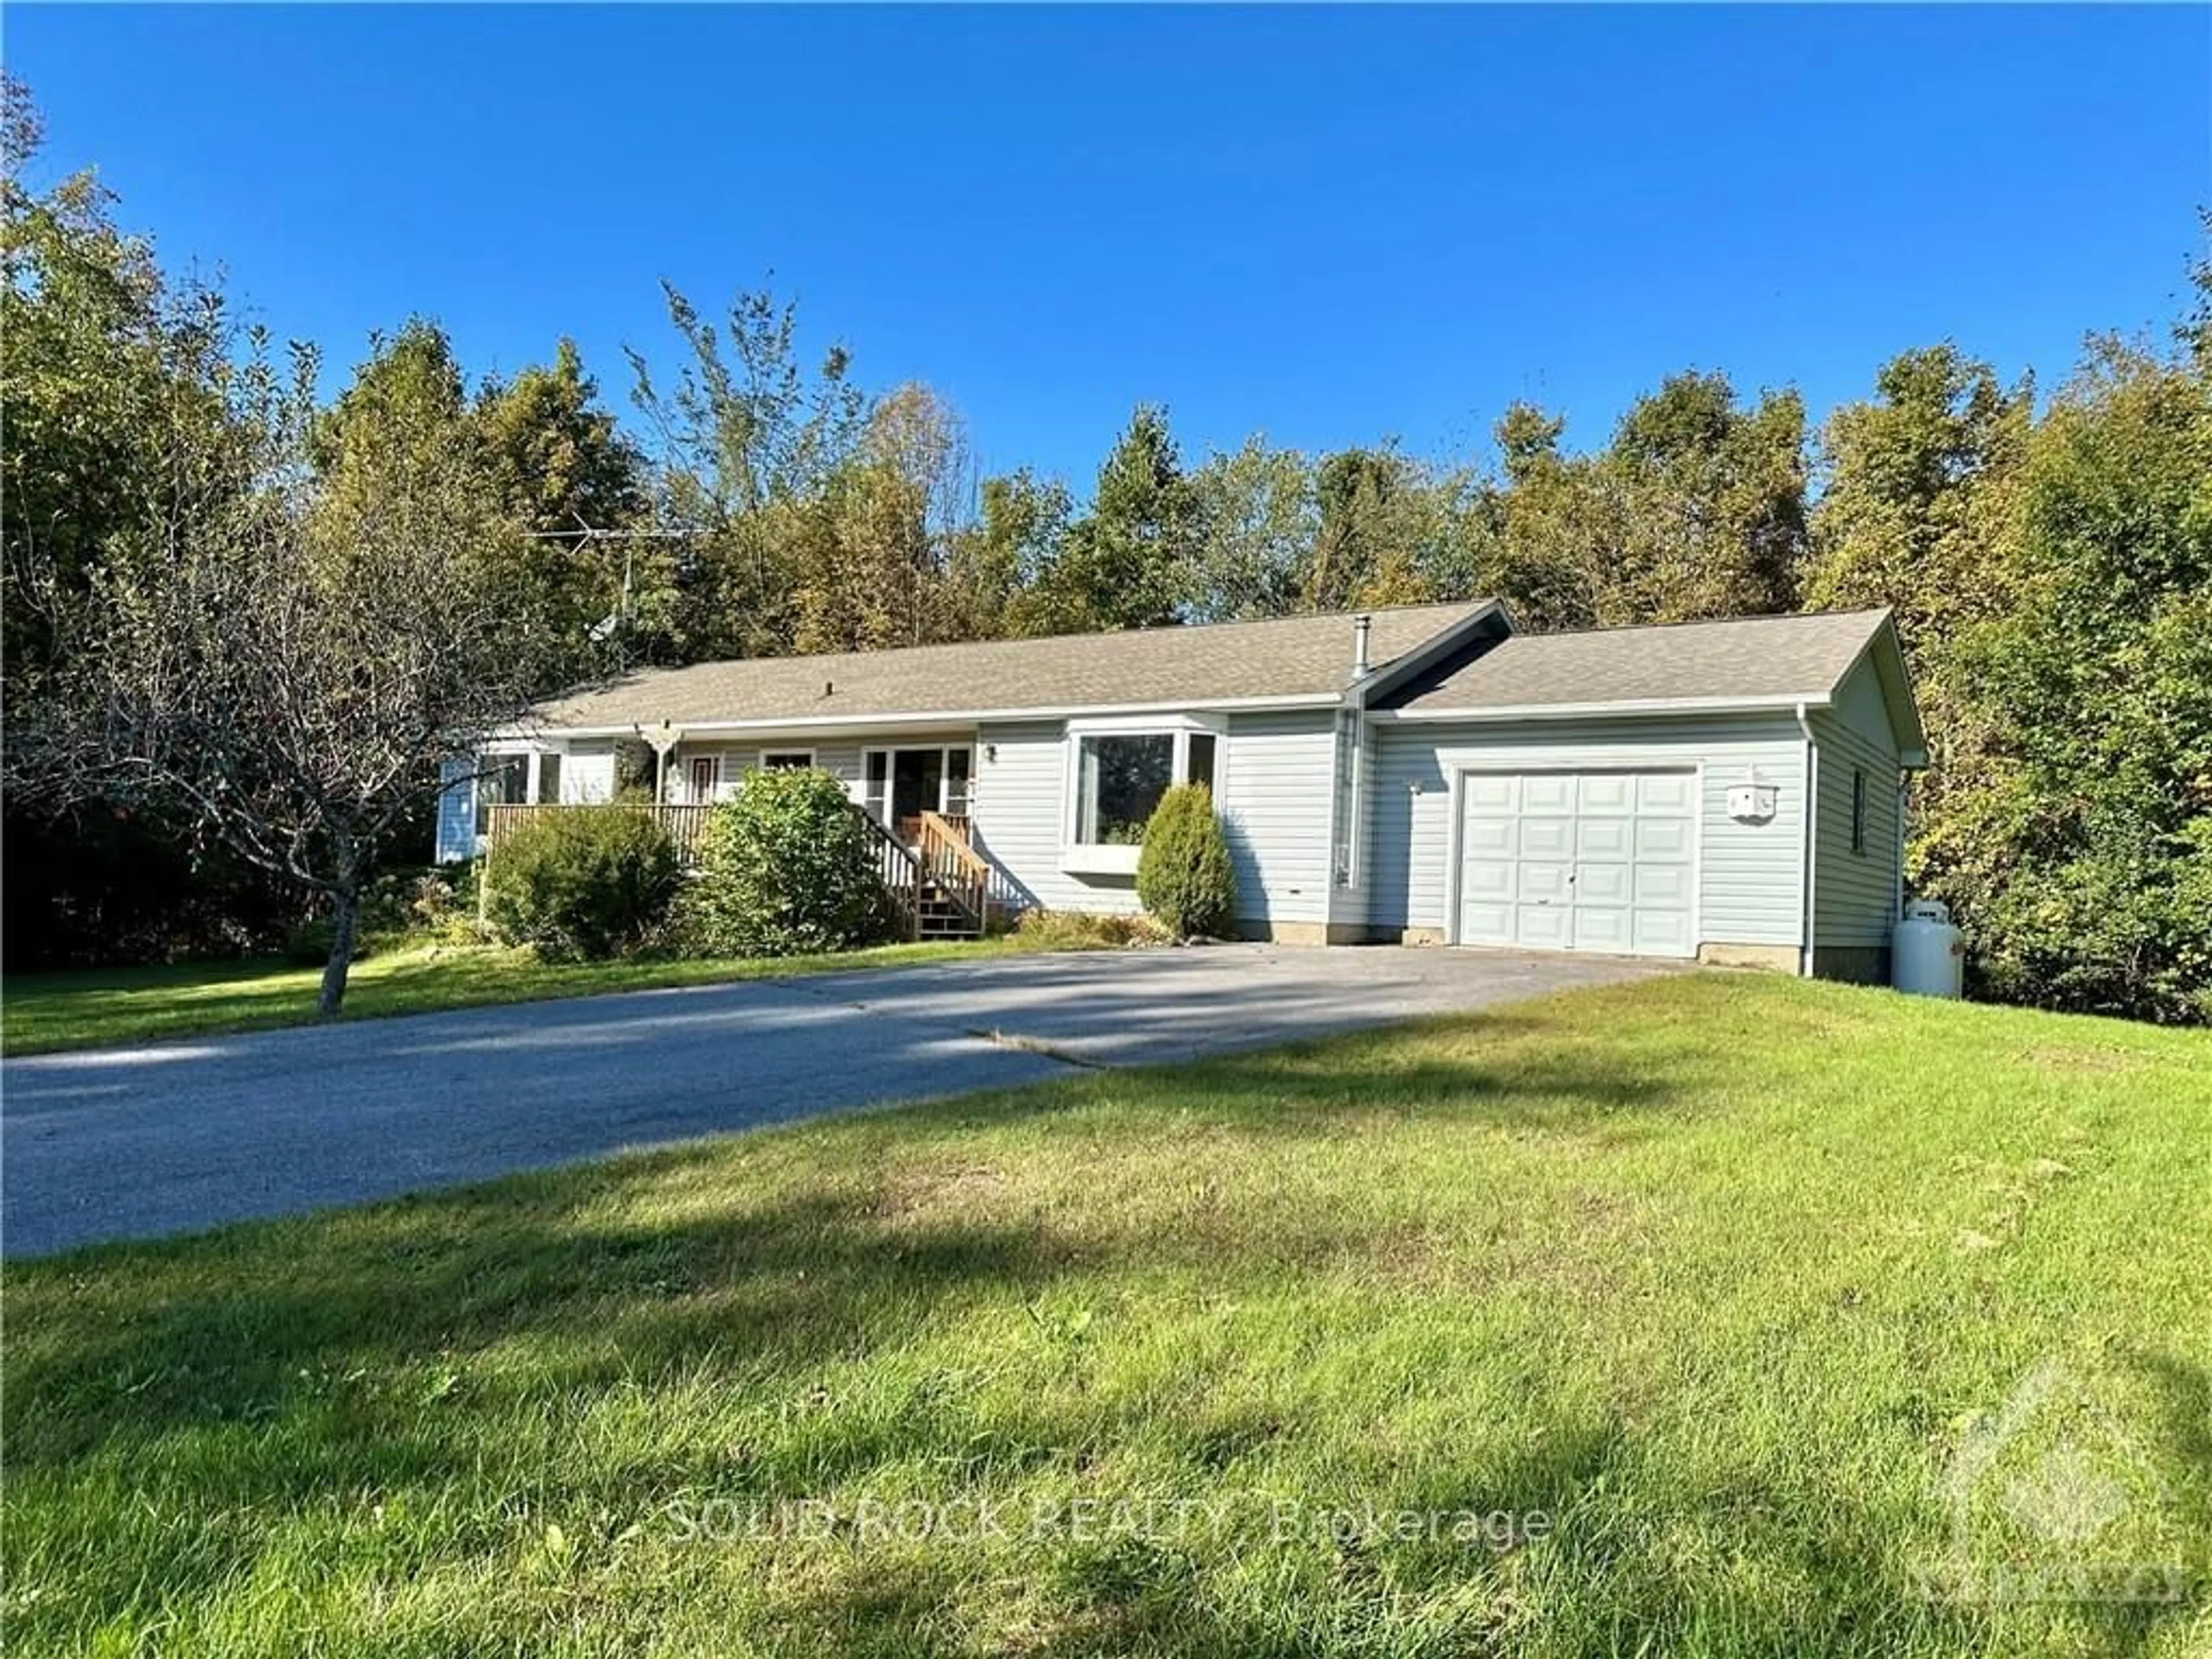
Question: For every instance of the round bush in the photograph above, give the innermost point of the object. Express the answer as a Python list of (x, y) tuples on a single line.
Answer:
[(583, 882), (786, 868), (1184, 876)]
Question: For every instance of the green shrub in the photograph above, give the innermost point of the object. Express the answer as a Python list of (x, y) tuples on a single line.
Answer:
[(1081, 930), (418, 901), (1184, 876), (786, 868), (587, 882)]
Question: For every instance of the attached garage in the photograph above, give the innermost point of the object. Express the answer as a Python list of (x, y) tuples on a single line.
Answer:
[(1579, 861), (1722, 791)]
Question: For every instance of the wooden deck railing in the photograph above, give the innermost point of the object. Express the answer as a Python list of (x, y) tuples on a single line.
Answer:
[(956, 824), (961, 876), (900, 871), (684, 824)]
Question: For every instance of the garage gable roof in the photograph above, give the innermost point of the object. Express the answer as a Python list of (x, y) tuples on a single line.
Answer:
[(1290, 659), (1774, 661)]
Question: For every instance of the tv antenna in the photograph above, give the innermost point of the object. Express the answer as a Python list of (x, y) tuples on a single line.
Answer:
[(587, 534)]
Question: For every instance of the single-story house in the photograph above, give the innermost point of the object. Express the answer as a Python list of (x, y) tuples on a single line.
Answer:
[(1728, 791)]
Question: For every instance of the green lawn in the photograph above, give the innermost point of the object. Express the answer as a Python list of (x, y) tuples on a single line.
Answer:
[(42, 1013), (1702, 1283)]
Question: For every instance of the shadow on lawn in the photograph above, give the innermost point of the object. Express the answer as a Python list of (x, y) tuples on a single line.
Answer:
[(177, 1350), (2183, 1390), (219, 1327), (1309, 1091)]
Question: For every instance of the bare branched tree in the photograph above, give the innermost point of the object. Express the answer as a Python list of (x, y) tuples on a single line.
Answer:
[(290, 652)]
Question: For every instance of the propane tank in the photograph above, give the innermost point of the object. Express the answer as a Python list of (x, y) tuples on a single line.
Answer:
[(1928, 955)]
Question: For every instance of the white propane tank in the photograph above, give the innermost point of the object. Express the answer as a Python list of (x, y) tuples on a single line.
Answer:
[(1928, 955)]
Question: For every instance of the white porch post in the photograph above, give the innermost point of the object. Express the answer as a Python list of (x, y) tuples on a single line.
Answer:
[(663, 738)]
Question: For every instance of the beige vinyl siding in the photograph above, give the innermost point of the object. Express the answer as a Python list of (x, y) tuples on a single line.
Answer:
[(1750, 875), (1854, 894)]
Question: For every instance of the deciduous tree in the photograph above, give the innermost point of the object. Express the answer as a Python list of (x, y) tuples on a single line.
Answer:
[(995, 557), (2077, 839), (873, 559), (1709, 502), (746, 439), (1260, 514), (289, 652)]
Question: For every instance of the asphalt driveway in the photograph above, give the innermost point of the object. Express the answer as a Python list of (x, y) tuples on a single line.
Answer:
[(131, 1142)]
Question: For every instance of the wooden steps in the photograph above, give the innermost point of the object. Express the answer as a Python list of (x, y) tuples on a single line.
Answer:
[(939, 883), (940, 915)]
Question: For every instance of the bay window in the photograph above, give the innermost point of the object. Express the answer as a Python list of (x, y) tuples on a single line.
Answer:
[(1200, 769), (1118, 771), (1121, 779)]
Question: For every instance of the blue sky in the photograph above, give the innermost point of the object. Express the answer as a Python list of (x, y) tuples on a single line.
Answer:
[(1331, 225)]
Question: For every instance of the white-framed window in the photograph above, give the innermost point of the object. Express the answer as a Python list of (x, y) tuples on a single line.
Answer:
[(502, 781), (900, 781), (1200, 749), (515, 777), (1119, 777), (959, 792), (785, 760), (875, 783), (1118, 770)]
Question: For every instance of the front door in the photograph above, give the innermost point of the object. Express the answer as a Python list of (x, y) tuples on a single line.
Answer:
[(917, 783), (705, 777), (899, 785)]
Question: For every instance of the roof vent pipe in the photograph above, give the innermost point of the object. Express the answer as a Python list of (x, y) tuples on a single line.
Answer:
[(1360, 625)]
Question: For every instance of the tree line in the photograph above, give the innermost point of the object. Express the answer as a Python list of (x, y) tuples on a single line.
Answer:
[(2048, 553)]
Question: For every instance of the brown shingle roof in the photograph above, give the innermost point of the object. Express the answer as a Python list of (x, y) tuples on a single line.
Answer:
[(1768, 656), (1225, 662)]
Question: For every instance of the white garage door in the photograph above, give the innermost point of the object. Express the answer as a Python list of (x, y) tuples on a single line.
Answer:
[(1579, 861)]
